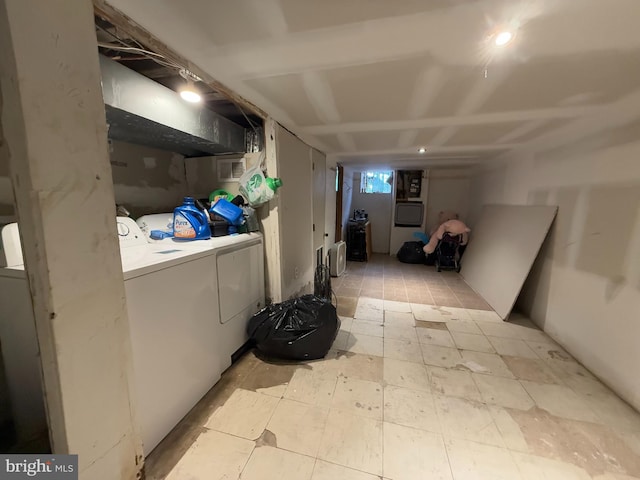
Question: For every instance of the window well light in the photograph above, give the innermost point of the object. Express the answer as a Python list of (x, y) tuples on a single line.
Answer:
[(422, 150), (503, 38)]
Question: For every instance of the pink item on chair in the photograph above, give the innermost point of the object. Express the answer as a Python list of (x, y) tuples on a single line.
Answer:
[(453, 227)]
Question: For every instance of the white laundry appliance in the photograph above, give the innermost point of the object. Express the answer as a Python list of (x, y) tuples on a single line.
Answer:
[(180, 345)]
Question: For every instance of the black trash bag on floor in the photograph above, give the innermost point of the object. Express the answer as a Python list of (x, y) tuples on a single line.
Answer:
[(411, 252), (303, 328)]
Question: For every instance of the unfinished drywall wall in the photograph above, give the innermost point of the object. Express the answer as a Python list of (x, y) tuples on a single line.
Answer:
[(378, 206), (7, 211), (202, 173), (330, 203), (347, 198), (584, 289), (449, 190), (296, 214), (146, 180)]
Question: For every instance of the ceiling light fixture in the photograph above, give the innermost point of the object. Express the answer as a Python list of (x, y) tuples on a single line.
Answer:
[(189, 93), (422, 150), (503, 38)]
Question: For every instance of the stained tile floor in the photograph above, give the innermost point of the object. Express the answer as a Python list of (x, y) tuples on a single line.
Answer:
[(423, 381)]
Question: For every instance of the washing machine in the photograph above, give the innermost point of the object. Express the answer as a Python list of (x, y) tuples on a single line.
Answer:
[(180, 342)]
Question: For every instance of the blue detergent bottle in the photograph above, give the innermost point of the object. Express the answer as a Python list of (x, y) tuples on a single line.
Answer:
[(189, 222)]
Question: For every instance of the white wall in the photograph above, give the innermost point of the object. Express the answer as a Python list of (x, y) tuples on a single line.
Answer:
[(145, 179), (584, 289), (378, 206), (449, 190)]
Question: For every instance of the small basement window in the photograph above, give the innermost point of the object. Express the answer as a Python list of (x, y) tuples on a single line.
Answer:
[(375, 182)]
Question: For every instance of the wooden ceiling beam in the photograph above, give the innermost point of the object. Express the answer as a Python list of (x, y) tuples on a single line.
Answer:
[(140, 34)]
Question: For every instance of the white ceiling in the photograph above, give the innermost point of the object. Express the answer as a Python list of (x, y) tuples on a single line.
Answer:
[(374, 80)]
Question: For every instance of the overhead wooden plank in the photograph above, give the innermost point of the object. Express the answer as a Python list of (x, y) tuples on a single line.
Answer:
[(503, 246)]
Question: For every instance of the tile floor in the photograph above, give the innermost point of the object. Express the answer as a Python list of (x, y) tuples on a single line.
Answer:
[(424, 381)]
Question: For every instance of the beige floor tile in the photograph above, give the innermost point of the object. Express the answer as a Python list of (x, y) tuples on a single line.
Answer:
[(365, 344), (270, 379), (536, 468), (399, 319), (366, 327), (505, 392), (345, 323), (330, 471), (471, 341), (484, 316), (550, 351), (352, 441), (492, 363), (512, 347), (614, 476), (463, 326), (510, 430), (369, 313), (298, 427), (498, 329), (391, 306), (560, 401), (245, 414), (440, 356), (475, 461), (373, 303), (406, 333), (341, 341), (213, 455), (430, 336), (406, 374), (312, 387), (453, 313), (411, 408), (530, 332), (577, 377), (455, 383), (613, 411), (401, 350), (268, 463), (533, 370), (410, 454), (467, 420), (428, 313), (347, 364), (358, 397)]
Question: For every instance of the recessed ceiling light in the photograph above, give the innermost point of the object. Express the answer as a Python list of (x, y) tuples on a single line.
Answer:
[(190, 96), (422, 150), (503, 38)]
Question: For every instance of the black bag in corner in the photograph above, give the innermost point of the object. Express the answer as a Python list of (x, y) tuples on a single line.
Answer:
[(411, 252), (303, 328)]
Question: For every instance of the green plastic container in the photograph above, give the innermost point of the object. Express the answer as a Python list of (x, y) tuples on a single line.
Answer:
[(216, 194)]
